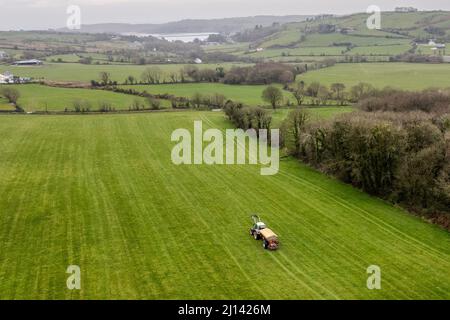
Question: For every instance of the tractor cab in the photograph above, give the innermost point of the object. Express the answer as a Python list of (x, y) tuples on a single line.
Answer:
[(259, 226)]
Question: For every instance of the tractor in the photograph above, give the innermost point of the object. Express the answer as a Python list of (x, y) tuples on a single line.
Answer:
[(260, 231)]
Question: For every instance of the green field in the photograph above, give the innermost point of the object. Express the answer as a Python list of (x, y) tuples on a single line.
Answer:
[(5, 105), (102, 193), (314, 113), (318, 40), (75, 58), (36, 97), (303, 51), (86, 73), (41, 98), (381, 50), (247, 94), (410, 76)]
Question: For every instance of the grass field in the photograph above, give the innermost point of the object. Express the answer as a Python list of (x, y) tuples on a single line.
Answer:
[(75, 58), (41, 98), (304, 51), (247, 94), (86, 73), (381, 50), (36, 97), (318, 40), (314, 113), (5, 105), (102, 193), (410, 76)]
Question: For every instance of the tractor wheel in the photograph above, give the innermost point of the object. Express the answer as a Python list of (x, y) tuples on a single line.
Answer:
[(251, 232), (265, 244), (256, 235)]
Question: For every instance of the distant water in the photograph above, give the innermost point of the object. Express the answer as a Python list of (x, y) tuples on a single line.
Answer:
[(185, 37)]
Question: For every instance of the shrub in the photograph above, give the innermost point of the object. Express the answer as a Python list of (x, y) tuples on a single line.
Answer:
[(272, 95), (401, 156), (262, 73), (431, 100), (154, 104), (81, 105), (105, 106)]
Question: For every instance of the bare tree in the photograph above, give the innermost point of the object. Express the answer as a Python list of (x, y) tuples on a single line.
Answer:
[(299, 93), (152, 75), (105, 78), (323, 94), (11, 94), (131, 79), (273, 95), (174, 77), (338, 92), (197, 100)]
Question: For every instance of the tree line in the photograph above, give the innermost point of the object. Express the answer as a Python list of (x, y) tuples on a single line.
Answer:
[(262, 73), (397, 146), (248, 117)]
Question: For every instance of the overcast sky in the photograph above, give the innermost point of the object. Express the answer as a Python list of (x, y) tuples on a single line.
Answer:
[(43, 14)]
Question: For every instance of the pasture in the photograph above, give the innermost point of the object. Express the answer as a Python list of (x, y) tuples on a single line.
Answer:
[(86, 73), (5, 105), (36, 97), (247, 94), (102, 193), (411, 76)]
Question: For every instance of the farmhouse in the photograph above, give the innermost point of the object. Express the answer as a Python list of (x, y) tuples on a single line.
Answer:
[(6, 77), (256, 50), (32, 62)]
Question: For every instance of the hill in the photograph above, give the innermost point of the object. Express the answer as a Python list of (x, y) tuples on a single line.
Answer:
[(345, 35), (418, 26), (225, 25)]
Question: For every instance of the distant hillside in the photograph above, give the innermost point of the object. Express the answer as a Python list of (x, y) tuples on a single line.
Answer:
[(226, 25), (345, 38), (418, 26)]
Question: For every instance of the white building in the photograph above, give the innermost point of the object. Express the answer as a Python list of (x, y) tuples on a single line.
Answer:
[(198, 61), (32, 62), (6, 77), (3, 55)]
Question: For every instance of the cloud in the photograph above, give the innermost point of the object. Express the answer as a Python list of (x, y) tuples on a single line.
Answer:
[(59, 3), (42, 14)]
